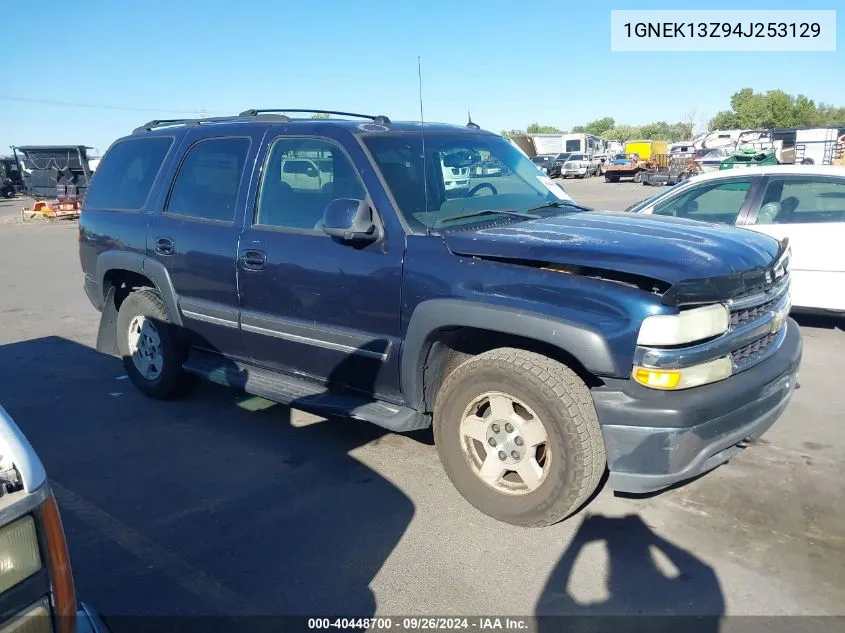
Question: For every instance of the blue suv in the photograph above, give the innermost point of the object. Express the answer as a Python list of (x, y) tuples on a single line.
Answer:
[(323, 263)]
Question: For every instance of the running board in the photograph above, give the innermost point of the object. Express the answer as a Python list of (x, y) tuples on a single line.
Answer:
[(302, 394)]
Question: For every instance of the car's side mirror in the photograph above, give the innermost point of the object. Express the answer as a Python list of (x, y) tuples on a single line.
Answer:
[(349, 220)]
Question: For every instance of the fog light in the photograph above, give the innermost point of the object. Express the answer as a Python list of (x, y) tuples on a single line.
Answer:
[(19, 555), (685, 378)]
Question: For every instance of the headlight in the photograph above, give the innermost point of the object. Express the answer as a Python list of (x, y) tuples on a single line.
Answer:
[(674, 379), (685, 327), (19, 555)]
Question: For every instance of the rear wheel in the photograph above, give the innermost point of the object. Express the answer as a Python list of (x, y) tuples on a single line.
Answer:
[(518, 436), (148, 345)]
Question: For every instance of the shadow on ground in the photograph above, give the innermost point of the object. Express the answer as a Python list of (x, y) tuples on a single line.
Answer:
[(645, 575), (212, 504)]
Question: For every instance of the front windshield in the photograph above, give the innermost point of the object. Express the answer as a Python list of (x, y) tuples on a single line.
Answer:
[(539, 160), (467, 173), (576, 157)]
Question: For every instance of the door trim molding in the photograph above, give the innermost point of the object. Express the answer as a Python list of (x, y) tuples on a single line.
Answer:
[(209, 312), (335, 339)]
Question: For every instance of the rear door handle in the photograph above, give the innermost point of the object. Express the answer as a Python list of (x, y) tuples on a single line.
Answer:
[(164, 246), (253, 260)]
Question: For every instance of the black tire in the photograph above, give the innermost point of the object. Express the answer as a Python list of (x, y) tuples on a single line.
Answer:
[(147, 303), (559, 398)]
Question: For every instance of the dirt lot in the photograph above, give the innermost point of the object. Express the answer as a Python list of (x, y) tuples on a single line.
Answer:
[(220, 503)]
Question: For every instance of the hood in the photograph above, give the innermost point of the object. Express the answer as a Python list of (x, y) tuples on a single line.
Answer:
[(667, 249)]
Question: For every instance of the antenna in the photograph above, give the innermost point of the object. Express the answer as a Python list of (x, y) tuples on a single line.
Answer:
[(422, 138), (470, 123)]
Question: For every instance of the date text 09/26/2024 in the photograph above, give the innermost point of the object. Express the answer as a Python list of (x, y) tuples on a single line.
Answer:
[(420, 624)]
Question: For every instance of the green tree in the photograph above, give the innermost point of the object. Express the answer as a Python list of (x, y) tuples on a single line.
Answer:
[(512, 133), (724, 120), (536, 128), (774, 108), (320, 115)]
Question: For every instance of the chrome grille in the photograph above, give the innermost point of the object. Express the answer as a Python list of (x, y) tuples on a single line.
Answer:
[(744, 315), (748, 353)]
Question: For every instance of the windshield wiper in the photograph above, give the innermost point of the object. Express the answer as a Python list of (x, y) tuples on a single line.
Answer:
[(519, 214), (557, 204)]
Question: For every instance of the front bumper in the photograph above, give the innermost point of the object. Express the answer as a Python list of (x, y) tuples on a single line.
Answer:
[(451, 185), (655, 439), (575, 171)]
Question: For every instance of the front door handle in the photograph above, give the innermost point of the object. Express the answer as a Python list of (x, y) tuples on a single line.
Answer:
[(164, 246), (253, 260)]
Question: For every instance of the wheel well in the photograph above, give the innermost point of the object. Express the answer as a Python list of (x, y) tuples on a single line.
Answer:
[(449, 347), (124, 282)]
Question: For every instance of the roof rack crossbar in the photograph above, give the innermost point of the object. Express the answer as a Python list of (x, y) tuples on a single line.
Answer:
[(378, 119)]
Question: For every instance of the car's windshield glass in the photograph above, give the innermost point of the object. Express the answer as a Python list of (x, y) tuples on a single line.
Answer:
[(576, 157), (541, 159), (467, 173), (563, 156), (642, 204)]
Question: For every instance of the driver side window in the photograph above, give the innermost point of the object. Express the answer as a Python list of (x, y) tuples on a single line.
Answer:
[(718, 202), (301, 176)]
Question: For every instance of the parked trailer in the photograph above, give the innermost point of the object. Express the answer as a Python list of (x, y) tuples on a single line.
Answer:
[(56, 176)]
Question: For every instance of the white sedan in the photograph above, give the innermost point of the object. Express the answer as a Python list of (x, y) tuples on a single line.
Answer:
[(805, 203)]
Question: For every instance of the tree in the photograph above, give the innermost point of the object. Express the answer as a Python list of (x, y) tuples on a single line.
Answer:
[(536, 128), (774, 108), (512, 133), (320, 115), (724, 120)]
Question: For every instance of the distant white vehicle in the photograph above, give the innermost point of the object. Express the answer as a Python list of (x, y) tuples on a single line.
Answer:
[(803, 203), (454, 178), (302, 174)]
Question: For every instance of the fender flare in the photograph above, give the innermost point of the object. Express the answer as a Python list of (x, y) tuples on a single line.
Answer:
[(143, 265), (587, 345)]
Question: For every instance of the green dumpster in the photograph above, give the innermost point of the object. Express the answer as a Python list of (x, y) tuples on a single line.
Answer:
[(749, 157)]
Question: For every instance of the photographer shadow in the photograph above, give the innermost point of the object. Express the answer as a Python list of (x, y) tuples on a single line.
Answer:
[(647, 576)]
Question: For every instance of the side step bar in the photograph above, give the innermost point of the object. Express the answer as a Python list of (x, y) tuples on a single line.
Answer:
[(302, 394)]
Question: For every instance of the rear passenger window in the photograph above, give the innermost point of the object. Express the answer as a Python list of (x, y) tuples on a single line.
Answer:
[(206, 186), (802, 201), (300, 178), (125, 176)]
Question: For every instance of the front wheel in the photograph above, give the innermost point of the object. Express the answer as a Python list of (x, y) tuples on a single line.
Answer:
[(518, 436), (148, 345)]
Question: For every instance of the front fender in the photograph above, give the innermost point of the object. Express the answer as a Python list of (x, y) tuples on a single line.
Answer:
[(584, 343)]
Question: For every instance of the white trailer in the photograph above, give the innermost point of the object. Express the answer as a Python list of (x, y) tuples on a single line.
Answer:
[(815, 146)]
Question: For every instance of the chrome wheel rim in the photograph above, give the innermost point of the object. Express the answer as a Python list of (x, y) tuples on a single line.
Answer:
[(145, 347), (505, 443)]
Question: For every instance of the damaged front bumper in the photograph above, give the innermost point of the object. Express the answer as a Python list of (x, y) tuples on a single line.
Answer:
[(655, 439)]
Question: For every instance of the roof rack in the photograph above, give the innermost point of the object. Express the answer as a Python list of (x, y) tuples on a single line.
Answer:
[(156, 123), (378, 119)]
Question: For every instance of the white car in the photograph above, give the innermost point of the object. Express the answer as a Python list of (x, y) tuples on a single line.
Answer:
[(805, 203), (580, 166)]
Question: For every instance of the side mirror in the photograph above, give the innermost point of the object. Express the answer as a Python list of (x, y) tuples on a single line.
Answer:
[(349, 220)]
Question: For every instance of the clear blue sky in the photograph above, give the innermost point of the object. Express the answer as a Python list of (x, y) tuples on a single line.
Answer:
[(509, 62)]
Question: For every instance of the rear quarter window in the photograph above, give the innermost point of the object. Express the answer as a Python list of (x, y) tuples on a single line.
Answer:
[(125, 176)]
